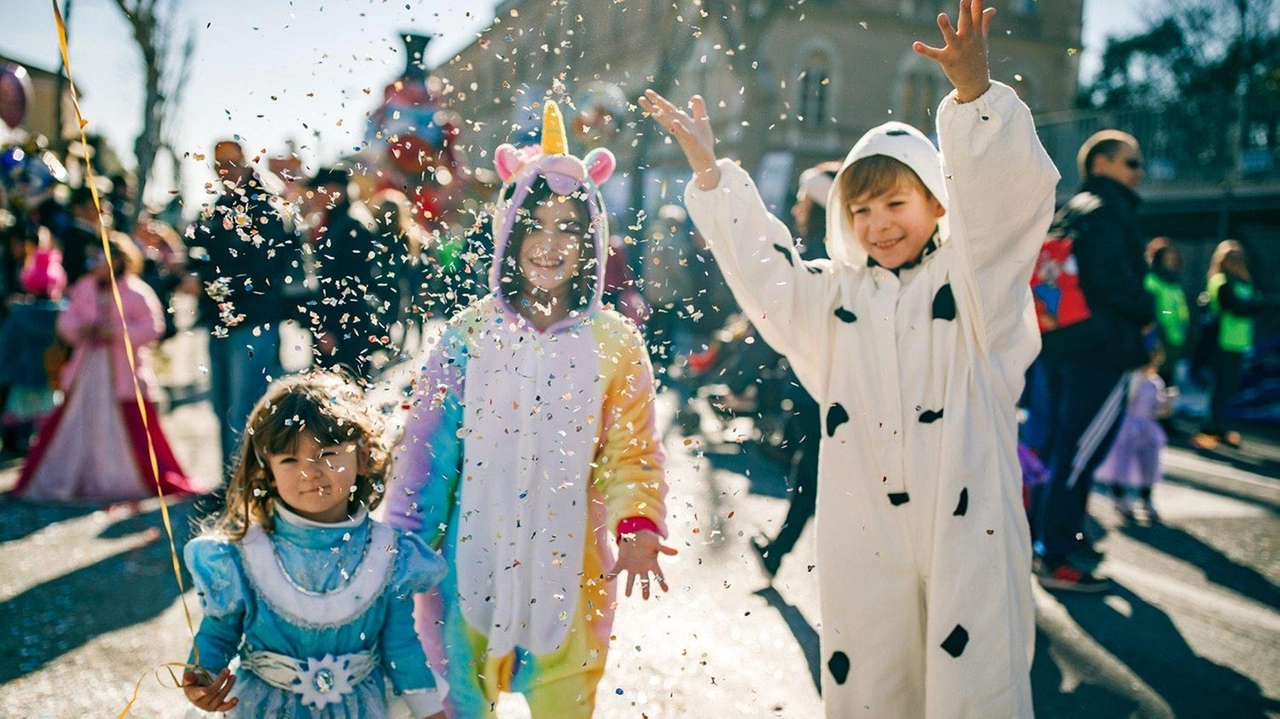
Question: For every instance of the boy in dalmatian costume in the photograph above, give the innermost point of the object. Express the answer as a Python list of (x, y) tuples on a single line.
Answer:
[(914, 339)]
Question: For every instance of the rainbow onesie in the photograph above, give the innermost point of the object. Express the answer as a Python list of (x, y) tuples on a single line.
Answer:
[(524, 451)]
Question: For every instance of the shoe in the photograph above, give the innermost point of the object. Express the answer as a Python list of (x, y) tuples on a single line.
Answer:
[(1125, 508), (1203, 440), (769, 560), (1232, 439), (1153, 516), (1066, 578)]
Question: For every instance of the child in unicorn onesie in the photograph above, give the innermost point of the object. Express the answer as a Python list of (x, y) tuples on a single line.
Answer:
[(531, 446), (914, 339)]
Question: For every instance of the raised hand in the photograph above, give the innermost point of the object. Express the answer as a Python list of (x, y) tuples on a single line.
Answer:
[(692, 132), (638, 556), (964, 57), (207, 692)]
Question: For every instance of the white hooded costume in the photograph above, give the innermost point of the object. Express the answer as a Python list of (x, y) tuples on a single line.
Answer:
[(923, 551)]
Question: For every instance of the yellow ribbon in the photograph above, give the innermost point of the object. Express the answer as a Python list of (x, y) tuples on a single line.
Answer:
[(128, 346)]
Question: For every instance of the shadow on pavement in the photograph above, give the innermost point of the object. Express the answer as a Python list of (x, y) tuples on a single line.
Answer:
[(19, 518), (1217, 567), (1055, 698), (51, 619), (806, 636), (768, 478), (1147, 642)]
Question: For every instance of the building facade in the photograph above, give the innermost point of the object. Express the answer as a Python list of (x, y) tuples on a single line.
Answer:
[(788, 84)]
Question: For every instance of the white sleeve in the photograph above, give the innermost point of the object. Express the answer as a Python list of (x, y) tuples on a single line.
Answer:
[(791, 302), (1000, 183)]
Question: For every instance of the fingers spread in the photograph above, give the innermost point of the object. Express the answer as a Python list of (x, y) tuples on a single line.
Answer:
[(933, 53), (964, 18), (699, 107)]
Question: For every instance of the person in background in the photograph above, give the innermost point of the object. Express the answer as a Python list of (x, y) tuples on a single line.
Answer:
[(804, 426), (1173, 316), (346, 249), (97, 445), (1085, 365), (1132, 467), (1234, 300), (402, 273), (82, 234), (245, 251), (667, 282), (26, 335)]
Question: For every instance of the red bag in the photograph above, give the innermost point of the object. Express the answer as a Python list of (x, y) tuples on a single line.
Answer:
[(1055, 283), (1055, 286)]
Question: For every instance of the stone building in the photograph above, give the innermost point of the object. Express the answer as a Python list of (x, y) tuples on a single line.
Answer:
[(789, 82)]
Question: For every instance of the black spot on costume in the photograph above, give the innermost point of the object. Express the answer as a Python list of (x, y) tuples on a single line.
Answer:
[(839, 666), (836, 416), (944, 304), (956, 641)]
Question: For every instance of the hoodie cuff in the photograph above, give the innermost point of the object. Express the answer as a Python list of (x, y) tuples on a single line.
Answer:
[(631, 525)]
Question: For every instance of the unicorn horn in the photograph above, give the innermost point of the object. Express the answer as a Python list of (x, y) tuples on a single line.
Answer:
[(553, 137)]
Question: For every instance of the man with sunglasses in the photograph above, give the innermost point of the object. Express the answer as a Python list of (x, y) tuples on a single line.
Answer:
[(1086, 366)]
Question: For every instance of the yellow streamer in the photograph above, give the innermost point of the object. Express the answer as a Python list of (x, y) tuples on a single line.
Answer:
[(128, 346)]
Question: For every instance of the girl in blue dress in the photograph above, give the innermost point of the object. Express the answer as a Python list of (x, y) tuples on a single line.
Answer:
[(309, 598)]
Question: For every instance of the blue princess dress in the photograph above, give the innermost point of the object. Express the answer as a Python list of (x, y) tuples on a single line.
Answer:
[(325, 612)]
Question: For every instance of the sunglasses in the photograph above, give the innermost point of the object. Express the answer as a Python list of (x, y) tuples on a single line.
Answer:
[(1134, 164)]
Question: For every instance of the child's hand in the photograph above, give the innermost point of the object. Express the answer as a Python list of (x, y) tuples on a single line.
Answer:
[(964, 58), (638, 555), (693, 133), (209, 693)]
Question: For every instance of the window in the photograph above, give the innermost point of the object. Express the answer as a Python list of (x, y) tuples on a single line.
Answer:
[(922, 90), (813, 103)]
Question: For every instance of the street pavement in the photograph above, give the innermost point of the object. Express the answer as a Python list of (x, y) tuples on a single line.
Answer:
[(90, 603)]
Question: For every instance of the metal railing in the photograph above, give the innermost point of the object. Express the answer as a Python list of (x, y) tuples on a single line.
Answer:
[(1206, 147)]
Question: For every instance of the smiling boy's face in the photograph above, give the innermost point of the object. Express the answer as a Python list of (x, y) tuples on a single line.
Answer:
[(894, 226)]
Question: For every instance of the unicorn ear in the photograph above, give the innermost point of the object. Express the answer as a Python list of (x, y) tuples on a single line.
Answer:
[(506, 160), (600, 165)]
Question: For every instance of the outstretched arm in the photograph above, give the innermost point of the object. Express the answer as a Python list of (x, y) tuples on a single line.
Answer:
[(1000, 181), (789, 300), (424, 473)]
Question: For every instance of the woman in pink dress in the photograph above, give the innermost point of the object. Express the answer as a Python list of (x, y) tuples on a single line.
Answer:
[(94, 447)]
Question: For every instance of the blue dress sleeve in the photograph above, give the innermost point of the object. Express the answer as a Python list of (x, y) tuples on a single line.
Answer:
[(215, 570), (419, 568)]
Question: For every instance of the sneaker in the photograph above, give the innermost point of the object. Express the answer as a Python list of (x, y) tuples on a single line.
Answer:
[(1125, 508), (1066, 578), (1204, 440), (768, 561)]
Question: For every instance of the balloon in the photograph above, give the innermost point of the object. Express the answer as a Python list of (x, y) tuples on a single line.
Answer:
[(15, 94)]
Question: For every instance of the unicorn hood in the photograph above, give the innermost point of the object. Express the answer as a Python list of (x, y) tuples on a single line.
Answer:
[(903, 143), (565, 174)]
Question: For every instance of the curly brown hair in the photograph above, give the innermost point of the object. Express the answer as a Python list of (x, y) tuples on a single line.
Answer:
[(323, 404)]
